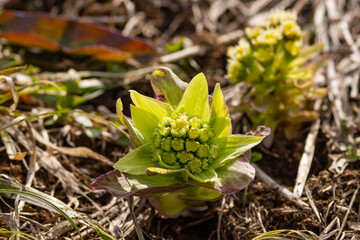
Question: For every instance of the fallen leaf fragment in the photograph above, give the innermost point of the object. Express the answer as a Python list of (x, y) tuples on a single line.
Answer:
[(41, 30)]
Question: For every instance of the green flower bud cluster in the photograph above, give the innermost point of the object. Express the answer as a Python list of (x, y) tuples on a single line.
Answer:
[(183, 141), (263, 44), (263, 49), (269, 60)]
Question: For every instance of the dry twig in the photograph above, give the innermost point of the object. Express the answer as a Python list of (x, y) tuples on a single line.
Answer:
[(347, 213), (308, 155), (282, 190)]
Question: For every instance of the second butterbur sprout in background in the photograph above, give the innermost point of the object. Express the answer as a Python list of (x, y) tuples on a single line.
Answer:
[(271, 60)]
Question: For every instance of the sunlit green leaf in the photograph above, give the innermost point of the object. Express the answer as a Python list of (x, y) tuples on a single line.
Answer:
[(196, 98), (158, 108), (137, 161), (205, 176), (233, 146), (144, 121), (219, 118), (137, 139)]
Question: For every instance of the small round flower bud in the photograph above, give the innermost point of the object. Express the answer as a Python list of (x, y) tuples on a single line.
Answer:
[(193, 133), (191, 145), (166, 144), (269, 37), (252, 33), (204, 164), (264, 54), (184, 156), (177, 144), (164, 131), (205, 134), (279, 16), (236, 71), (169, 158), (165, 122), (180, 126), (240, 51), (195, 122), (290, 29), (194, 165), (203, 151), (293, 47)]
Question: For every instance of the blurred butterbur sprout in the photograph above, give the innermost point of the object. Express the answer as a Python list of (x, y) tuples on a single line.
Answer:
[(271, 59)]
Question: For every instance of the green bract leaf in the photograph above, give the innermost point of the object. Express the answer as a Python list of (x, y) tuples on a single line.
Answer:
[(218, 108), (144, 121), (136, 138), (311, 51), (169, 204), (172, 204), (219, 118), (167, 85), (199, 193), (231, 177), (208, 175), (122, 184), (158, 108), (137, 161), (235, 175), (233, 146), (221, 126), (181, 173), (196, 98)]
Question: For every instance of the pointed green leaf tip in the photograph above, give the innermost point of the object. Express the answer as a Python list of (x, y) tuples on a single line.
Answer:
[(196, 98), (219, 119), (136, 138), (156, 107), (167, 86), (158, 73)]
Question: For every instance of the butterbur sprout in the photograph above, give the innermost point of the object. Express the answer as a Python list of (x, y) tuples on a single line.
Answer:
[(271, 60), (183, 151)]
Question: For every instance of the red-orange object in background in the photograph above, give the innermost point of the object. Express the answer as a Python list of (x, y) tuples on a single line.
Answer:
[(32, 29)]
